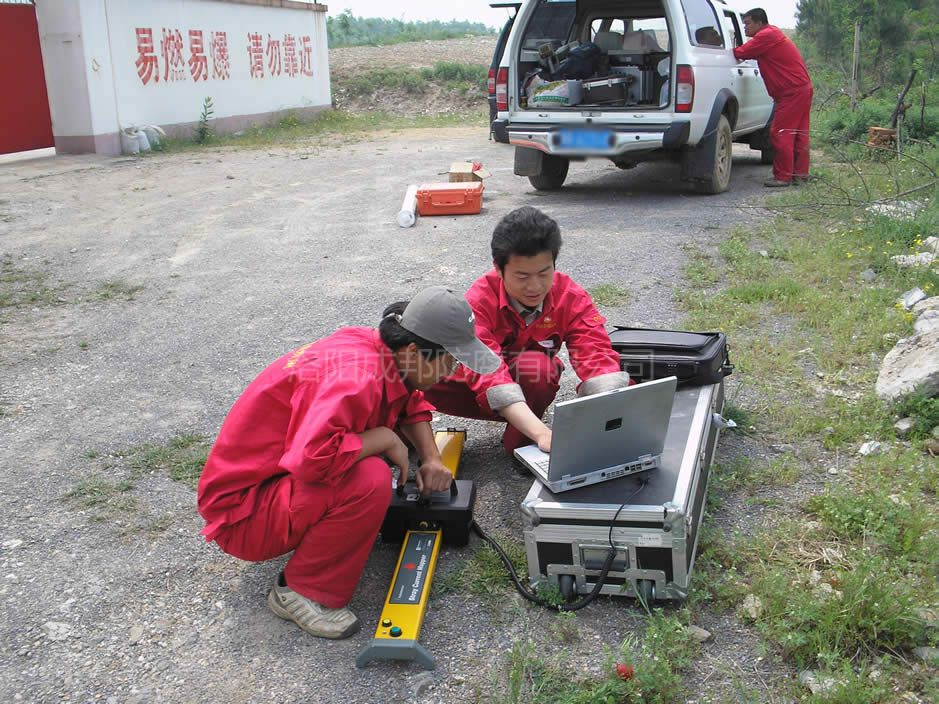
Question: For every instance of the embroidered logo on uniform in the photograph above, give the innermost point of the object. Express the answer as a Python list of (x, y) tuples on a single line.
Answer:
[(472, 318), (547, 322)]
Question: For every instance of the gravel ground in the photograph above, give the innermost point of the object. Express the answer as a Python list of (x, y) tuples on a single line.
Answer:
[(242, 255)]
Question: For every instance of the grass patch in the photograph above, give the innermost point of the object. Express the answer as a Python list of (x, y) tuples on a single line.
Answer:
[(102, 493), (646, 671), (483, 574), (182, 458), (329, 128), (456, 77), (841, 589), (116, 291), (20, 287), (610, 295)]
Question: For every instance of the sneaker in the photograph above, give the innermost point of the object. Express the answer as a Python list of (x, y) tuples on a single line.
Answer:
[(315, 619), (774, 183)]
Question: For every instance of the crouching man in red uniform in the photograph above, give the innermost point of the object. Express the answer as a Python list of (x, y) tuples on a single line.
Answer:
[(525, 310), (300, 462), (788, 84)]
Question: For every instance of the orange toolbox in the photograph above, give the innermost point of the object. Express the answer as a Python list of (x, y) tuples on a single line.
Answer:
[(449, 198)]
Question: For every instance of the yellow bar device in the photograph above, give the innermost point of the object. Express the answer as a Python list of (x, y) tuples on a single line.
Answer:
[(399, 625)]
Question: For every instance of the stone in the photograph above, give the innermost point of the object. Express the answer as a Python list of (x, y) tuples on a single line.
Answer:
[(929, 320), (833, 471), (927, 304), (11, 544), (421, 683), (930, 655), (871, 447), (699, 634), (931, 244), (868, 275), (136, 633), (935, 432), (904, 426), (912, 365), (816, 684), (752, 606), (56, 631), (910, 261), (932, 447)]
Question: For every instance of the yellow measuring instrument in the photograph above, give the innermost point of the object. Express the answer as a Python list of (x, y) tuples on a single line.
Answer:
[(425, 523)]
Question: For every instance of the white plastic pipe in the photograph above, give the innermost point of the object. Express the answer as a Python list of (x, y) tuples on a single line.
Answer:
[(407, 216)]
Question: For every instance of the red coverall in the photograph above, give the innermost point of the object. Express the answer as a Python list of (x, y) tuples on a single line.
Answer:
[(528, 352), (788, 84), (283, 474)]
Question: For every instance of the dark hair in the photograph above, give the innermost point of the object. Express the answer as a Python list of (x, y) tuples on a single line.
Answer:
[(396, 337), (525, 232), (757, 14)]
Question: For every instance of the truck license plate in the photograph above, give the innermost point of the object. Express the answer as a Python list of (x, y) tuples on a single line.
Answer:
[(584, 139)]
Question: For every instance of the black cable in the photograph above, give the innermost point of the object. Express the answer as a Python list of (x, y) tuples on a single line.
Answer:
[(601, 578)]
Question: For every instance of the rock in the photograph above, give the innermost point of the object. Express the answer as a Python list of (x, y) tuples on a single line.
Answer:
[(421, 683), (932, 447), (871, 447), (699, 634), (868, 275), (56, 631), (816, 684), (935, 432), (764, 253), (931, 244), (752, 606), (11, 544), (904, 426), (136, 633), (911, 298), (909, 261), (912, 365), (929, 320), (925, 305), (930, 655), (833, 471)]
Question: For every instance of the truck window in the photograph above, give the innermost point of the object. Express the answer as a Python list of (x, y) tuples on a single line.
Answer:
[(550, 23), (703, 26), (733, 29)]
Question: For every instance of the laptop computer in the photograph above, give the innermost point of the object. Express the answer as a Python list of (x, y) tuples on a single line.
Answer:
[(604, 436)]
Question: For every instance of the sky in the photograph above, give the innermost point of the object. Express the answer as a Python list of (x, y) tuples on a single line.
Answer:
[(780, 12)]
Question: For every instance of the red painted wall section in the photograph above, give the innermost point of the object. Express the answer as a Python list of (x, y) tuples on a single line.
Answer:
[(25, 122)]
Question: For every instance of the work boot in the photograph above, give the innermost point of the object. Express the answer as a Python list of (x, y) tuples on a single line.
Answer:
[(315, 619), (775, 183)]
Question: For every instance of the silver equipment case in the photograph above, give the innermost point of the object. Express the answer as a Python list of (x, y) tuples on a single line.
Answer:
[(656, 532)]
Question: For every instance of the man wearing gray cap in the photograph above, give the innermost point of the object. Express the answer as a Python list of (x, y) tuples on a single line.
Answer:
[(301, 461)]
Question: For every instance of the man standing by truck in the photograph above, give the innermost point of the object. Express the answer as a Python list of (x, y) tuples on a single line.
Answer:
[(788, 84)]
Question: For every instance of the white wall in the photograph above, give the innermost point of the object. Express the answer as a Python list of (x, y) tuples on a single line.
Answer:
[(104, 72)]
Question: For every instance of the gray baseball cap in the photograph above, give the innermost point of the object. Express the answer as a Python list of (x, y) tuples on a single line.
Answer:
[(439, 314)]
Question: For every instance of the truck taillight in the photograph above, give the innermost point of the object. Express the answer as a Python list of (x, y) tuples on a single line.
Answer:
[(684, 90), (502, 89), (491, 81)]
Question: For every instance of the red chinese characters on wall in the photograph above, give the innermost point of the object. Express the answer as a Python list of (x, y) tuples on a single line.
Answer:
[(289, 56)]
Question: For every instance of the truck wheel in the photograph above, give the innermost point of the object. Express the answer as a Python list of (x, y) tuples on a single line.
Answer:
[(568, 586), (723, 151), (553, 173)]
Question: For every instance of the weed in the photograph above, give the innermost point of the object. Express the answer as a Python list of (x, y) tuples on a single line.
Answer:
[(182, 458), (203, 131), (99, 492), (609, 295), (21, 287), (116, 290), (923, 409), (564, 629), (484, 574)]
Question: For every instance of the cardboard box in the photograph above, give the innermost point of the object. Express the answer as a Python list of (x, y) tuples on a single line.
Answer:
[(467, 171)]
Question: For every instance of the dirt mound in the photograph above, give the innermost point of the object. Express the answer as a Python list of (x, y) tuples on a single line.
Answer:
[(430, 99)]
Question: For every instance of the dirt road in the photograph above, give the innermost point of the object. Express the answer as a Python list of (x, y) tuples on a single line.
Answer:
[(240, 256)]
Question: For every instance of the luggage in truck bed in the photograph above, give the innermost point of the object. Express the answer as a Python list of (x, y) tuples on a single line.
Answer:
[(655, 532)]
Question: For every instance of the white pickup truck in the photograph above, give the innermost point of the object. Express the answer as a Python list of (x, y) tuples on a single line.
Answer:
[(663, 85)]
